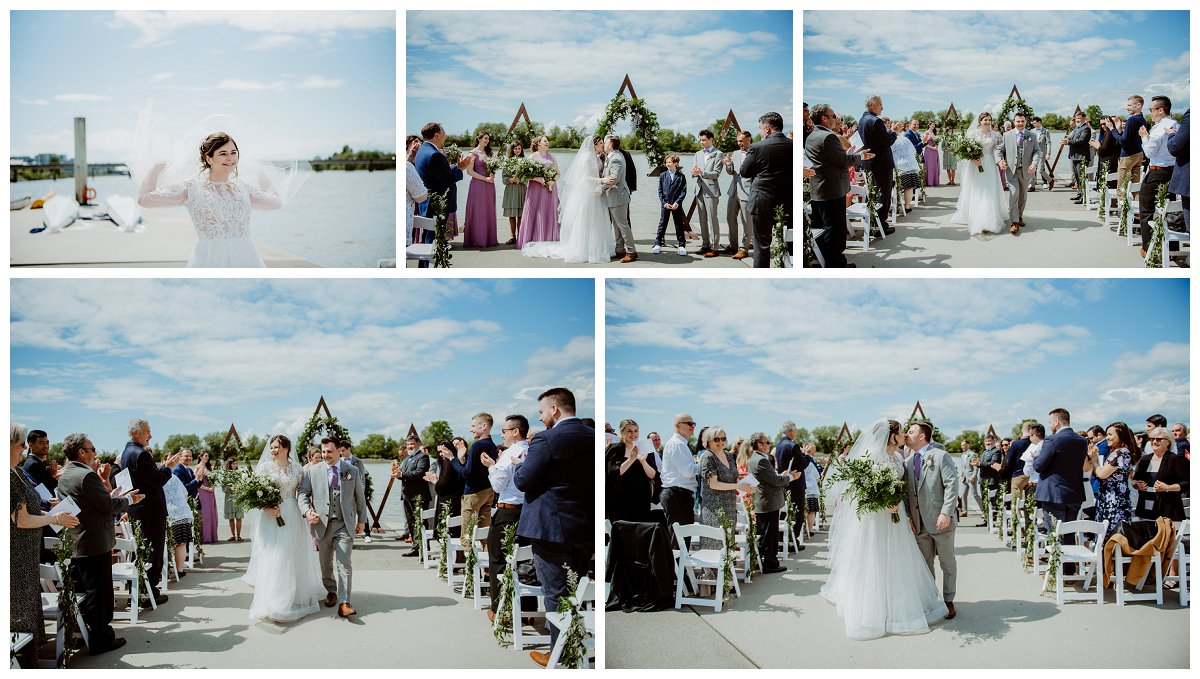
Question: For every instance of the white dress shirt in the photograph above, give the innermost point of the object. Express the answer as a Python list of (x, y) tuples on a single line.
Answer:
[(1155, 146), (680, 469), (1030, 453), (500, 475)]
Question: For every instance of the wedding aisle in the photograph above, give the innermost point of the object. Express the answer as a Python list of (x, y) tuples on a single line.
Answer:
[(407, 618), (1058, 233), (781, 621)]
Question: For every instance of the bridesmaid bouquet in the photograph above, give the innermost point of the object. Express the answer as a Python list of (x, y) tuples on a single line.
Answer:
[(453, 154), (495, 164), (875, 488), (966, 148), (250, 490)]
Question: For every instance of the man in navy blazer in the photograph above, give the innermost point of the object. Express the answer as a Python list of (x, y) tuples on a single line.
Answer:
[(1060, 466), (437, 174), (184, 473), (1180, 185), (876, 136), (558, 479), (911, 135), (148, 478)]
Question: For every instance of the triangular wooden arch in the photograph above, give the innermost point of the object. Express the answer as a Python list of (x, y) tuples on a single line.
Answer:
[(1015, 92), (1078, 110), (918, 409), (321, 405), (626, 84), (844, 432), (992, 432), (730, 119), (951, 112), (412, 431), (232, 434), (520, 112)]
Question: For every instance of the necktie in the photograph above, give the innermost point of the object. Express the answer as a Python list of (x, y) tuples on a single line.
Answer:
[(917, 464), (333, 478)]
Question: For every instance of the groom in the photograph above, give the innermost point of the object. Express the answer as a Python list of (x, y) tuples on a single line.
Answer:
[(616, 199), (331, 498), (1018, 156), (932, 482)]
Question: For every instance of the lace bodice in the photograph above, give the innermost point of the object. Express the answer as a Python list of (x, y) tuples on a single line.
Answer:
[(218, 209), (988, 141), (287, 478)]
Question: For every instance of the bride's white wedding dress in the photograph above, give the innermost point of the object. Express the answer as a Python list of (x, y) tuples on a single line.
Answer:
[(982, 205), (283, 570), (878, 579), (220, 211), (586, 234)]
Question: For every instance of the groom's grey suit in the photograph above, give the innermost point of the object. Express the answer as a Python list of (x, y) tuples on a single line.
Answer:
[(933, 490), (1020, 152), (339, 511), (616, 198)]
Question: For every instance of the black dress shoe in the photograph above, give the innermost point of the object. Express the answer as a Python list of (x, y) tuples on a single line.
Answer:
[(412, 553), (799, 549), (703, 251), (159, 599), (981, 525), (116, 643), (889, 230), (950, 611), (774, 569)]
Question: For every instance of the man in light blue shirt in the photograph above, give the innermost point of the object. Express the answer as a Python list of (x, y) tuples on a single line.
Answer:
[(509, 499)]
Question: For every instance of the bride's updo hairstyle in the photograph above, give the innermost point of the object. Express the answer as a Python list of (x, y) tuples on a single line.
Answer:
[(209, 146), (987, 115), (893, 427), (284, 442)]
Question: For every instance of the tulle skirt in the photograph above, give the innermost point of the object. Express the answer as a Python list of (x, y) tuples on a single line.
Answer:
[(225, 252), (284, 570), (586, 235), (982, 205), (878, 579)]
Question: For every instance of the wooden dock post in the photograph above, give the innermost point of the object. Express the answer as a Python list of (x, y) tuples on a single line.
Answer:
[(81, 168)]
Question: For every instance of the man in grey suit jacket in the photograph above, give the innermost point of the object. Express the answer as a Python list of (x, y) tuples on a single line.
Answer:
[(1018, 155), (707, 169), (91, 559), (738, 206), (331, 497), (932, 482), (827, 190), (616, 199), (768, 500)]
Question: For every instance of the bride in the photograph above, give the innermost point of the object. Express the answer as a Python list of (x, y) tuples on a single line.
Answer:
[(587, 234), (283, 567), (982, 206), (878, 578)]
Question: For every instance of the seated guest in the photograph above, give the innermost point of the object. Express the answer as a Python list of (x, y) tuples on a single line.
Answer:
[(629, 474), (1113, 470), (1161, 480)]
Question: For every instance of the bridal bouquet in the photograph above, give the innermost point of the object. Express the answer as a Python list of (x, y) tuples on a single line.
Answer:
[(875, 488), (250, 490), (966, 148)]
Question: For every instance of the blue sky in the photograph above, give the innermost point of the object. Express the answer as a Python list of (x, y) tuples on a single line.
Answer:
[(303, 83), (973, 351), (925, 60), (192, 356), (465, 68)]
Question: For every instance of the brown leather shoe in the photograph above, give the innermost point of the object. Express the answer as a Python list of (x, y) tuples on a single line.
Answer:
[(346, 610), (1014, 228), (631, 257), (491, 615), (711, 253), (540, 658), (741, 254), (330, 600), (950, 612)]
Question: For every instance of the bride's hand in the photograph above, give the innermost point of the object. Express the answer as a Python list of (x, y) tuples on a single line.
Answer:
[(273, 511), (977, 162), (895, 510)]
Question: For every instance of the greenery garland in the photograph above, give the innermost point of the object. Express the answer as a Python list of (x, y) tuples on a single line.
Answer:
[(726, 142), (751, 537), (793, 513), (443, 534), (1154, 259), (809, 255), (779, 248), (469, 553), (503, 619), (730, 548), (921, 169), (1054, 548), (874, 202), (986, 502), (644, 121), (438, 208), (1030, 536), (316, 424), (141, 546), (1126, 204), (418, 534), (170, 549), (67, 610), (574, 653), (1102, 213), (1082, 179), (899, 191), (197, 528), (1009, 105)]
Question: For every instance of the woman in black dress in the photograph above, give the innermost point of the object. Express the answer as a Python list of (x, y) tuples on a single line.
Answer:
[(629, 476), (1161, 479)]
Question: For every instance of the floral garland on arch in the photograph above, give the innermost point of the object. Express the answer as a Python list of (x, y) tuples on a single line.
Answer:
[(1013, 103), (68, 612), (644, 121)]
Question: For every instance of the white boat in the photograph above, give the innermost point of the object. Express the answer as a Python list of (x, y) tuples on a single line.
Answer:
[(123, 211), (20, 203), (59, 212)]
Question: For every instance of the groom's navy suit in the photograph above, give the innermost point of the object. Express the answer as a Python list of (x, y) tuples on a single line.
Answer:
[(1060, 466), (558, 479), (878, 139)]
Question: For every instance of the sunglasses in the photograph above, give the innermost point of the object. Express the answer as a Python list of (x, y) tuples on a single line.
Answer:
[(1158, 440), (690, 424), (720, 439)]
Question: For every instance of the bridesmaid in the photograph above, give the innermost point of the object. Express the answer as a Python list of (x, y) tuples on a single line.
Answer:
[(539, 218), (480, 228), (514, 193), (208, 501), (948, 159), (933, 171)]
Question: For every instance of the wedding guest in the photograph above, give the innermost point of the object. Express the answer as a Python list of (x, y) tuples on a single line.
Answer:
[(1042, 136), (769, 164), (948, 159), (1177, 145), (415, 193), (480, 228), (232, 510), (148, 478), (1179, 431), (514, 193), (437, 174), (1108, 149), (450, 483), (509, 501), (183, 472), (877, 138), (26, 521), (931, 155), (808, 123), (828, 157), (1037, 434), (1128, 137), (1114, 469), (1153, 422), (478, 495), (1162, 163), (207, 497), (812, 486), (706, 168), (904, 156), (91, 554), (179, 520), (629, 476), (539, 216), (314, 456), (768, 500), (1059, 463), (737, 208), (1078, 150), (411, 472), (679, 472), (968, 473), (910, 132), (1168, 475), (718, 470), (989, 473), (788, 458), (672, 189), (38, 468)]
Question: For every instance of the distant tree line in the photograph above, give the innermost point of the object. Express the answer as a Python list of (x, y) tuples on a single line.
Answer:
[(372, 160), (570, 137)]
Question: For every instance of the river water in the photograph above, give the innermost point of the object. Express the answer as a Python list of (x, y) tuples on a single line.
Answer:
[(339, 219)]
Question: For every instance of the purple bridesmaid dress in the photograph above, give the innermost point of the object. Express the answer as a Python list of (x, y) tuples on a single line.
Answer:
[(208, 512), (480, 229), (539, 218), (933, 168)]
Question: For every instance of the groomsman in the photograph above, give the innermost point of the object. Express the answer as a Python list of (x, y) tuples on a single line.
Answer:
[(1078, 149), (738, 206), (706, 169), (876, 136), (1043, 142)]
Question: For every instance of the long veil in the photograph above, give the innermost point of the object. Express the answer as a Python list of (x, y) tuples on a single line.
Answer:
[(586, 234), (871, 446)]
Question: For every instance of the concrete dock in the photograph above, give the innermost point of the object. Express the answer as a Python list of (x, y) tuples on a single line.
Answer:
[(166, 239)]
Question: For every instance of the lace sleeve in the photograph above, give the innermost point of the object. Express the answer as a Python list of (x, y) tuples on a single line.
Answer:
[(169, 196), (263, 199)]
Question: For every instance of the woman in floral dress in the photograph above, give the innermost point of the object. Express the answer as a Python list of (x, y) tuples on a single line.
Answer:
[(1112, 502)]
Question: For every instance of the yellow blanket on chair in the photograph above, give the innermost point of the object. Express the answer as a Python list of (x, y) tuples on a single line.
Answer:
[(1141, 558)]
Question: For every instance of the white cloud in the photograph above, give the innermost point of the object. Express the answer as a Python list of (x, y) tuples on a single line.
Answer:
[(31, 102), (238, 85), (160, 26), (161, 77), (76, 97), (316, 82)]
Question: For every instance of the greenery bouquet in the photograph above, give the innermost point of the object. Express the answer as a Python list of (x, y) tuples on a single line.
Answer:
[(874, 487)]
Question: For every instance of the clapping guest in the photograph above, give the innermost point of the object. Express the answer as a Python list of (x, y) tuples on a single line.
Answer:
[(179, 520), (737, 208), (706, 168), (769, 165), (411, 472), (438, 175), (183, 471), (718, 469), (789, 457), (1162, 163), (1161, 479), (768, 500), (148, 477), (207, 497), (449, 483), (539, 216), (1177, 145), (629, 476), (1128, 137), (514, 193), (1079, 152), (904, 155), (1107, 148), (679, 472), (233, 511), (480, 225), (1114, 470), (830, 160)]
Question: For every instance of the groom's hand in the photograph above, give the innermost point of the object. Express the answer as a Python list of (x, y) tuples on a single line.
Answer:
[(1032, 168), (913, 525), (1003, 165), (360, 527), (943, 521), (313, 519)]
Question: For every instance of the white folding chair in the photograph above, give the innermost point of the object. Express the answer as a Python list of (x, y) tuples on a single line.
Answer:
[(1089, 498), (809, 233), (421, 252), (125, 573), (1112, 202), (1182, 238), (860, 216), (742, 538), (51, 578), (1120, 562), (1183, 562), (788, 237), (480, 550), (783, 533), (701, 559), (429, 535), (456, 572), (585, 600), (1088, 560), (521, 638), (1132, 232)]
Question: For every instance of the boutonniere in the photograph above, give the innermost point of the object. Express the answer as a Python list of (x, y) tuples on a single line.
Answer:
[(346, 475)]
